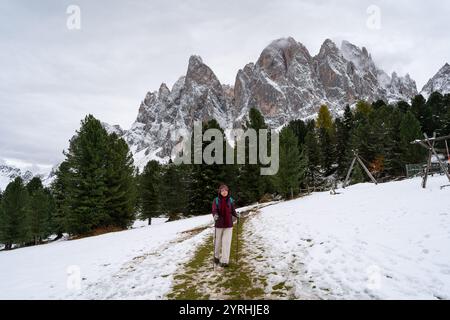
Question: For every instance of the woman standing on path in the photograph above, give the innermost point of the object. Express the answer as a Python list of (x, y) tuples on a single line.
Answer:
[(223, 209)]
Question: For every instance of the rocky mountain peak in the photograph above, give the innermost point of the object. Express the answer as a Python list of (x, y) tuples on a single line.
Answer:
[(361, 58), (328, 47), (285, 83), (439, 82)]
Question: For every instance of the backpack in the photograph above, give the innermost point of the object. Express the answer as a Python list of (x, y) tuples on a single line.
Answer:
[(217, 201)]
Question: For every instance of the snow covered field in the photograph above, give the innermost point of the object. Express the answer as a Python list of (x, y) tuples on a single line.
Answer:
[(132, 264), (386, 241), (368, 242)]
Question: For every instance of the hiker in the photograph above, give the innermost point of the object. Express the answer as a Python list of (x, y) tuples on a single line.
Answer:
[(223, 209)]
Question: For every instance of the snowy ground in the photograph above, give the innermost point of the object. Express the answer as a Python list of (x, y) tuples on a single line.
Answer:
[(368, 242), (386, 241), (133, 264)]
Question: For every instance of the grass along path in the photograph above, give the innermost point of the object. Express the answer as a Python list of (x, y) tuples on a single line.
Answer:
[(197, 279)]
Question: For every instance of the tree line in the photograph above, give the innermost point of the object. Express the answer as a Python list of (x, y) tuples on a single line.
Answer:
[(97, 188)]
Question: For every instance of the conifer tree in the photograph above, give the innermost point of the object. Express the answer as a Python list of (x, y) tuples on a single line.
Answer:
[(409, 131), (87, 170), (120, 192), (326, 139), (40, 206), (13, 214), (96, 185), (174, 189), (436, 106), (61, 187), (150, 183), (289, 174), (206, 177), (252, 184), (423, 114), (311, 153)]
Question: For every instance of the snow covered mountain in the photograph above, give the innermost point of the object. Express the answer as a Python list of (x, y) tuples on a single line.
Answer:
[(285, 83), (288, 83), (439, 82), (167, 115), (9, 173)]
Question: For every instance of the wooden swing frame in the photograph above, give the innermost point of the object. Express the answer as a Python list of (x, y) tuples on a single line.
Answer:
[(357, 158), (428, 143)]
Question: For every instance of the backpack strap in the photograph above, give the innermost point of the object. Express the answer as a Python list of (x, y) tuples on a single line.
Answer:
[(217, 201)]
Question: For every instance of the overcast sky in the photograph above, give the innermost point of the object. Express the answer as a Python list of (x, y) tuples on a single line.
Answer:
[(51, 77)]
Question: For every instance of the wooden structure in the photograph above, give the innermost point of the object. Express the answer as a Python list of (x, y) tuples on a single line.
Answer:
[(429, 144), (357, 158)]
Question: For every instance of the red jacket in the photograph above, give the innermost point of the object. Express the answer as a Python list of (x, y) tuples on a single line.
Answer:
[(224, 207)]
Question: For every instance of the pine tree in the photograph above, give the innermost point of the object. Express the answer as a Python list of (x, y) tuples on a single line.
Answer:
[(403, 106), (289, 173), (363, 110), (389, 140), (150, 183), (34, 185), (378, 104), (87, 170), (252, 185), (446, 115), (120, 192), (61, 187), (206, 177), (13, 214), (326, 149), (409, 131), (174, 188), (446, 120), (342, 147), (300, 130), (423, 114), (95, 185), (436, 105), (39, 211), (311, 153), (326, 138), (324, 120)]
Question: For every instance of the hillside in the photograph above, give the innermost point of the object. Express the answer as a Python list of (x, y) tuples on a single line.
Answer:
[(370, 241)]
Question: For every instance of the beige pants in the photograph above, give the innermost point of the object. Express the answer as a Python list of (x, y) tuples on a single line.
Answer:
[(223, 244)]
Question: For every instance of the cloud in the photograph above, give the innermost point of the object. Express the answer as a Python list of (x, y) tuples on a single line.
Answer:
[(52, 77)]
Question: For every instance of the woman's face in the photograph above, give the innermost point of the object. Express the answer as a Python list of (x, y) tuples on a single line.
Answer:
[(224, 192)]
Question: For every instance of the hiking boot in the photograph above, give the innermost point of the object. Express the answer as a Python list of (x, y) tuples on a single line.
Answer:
[(224, 265), (216, 260)]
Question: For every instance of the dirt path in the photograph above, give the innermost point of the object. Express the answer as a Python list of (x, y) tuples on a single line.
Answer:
[(199, 279)]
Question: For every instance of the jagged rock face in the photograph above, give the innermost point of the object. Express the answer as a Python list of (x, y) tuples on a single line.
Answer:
[(167, 115), (440, 82), (9, 173), (281, 84), (288, 83), (285, 83)]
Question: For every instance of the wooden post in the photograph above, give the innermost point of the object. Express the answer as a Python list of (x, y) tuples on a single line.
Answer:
[(427, 169), (443, 168), (357, 158), (365, 169), (348, 173)]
